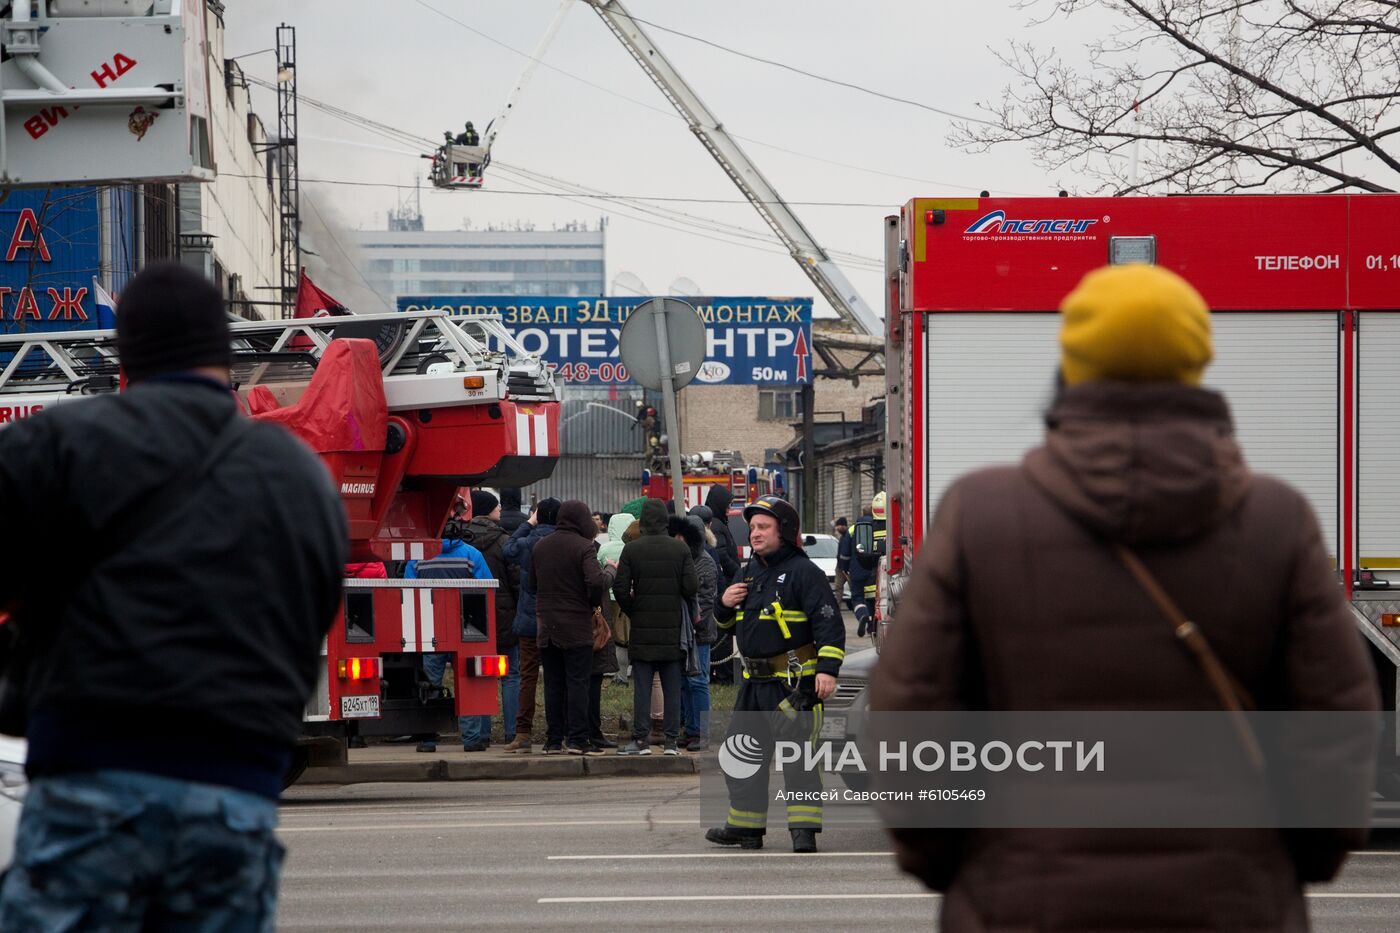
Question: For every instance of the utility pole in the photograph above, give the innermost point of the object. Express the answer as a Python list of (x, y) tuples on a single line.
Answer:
[(809, 458), (668, 403), (289, 190)]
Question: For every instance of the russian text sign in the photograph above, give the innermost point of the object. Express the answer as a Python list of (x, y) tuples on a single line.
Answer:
[(749, 341)]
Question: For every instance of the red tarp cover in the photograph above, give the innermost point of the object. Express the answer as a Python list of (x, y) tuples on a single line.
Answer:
[(343, 409)]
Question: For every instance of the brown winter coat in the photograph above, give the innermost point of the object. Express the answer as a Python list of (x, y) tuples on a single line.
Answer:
[(567, 580), (1015, 603)]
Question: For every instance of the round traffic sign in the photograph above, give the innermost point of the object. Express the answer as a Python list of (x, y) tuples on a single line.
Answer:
[(640, 352)]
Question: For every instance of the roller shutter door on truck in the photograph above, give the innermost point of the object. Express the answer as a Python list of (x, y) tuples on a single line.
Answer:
[(989, 377), (988, 380), (1378, 440), (1280, 374)]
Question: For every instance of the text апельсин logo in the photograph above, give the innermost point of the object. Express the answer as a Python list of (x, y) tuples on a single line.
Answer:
[(997, 223)]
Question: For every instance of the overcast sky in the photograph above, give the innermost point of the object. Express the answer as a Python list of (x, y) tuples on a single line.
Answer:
[(421, 72)]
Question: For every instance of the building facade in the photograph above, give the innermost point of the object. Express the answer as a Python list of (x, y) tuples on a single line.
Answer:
[(850, 465), (406, 261), (230, 228), (760, 421)]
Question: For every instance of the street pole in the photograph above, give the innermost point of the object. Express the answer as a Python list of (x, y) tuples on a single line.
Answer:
[(809, 459), (668, 407)]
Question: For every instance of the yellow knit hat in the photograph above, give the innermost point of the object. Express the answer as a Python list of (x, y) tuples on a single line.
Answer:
[(1134, 323)]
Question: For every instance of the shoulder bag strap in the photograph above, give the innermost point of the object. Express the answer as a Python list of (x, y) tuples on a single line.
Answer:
[(173, 494), (1232, 695)]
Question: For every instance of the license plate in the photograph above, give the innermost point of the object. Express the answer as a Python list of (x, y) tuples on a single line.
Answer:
[(360, 707), (833, 727)]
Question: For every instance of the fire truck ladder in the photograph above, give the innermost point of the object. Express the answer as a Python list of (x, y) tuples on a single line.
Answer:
[(825, 274), (423, 353)]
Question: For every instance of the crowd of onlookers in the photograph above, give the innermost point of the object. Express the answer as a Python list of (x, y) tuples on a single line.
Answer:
[(650, 577)]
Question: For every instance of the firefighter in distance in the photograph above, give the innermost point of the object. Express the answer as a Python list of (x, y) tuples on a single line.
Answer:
[(865, 566), (792, 642)]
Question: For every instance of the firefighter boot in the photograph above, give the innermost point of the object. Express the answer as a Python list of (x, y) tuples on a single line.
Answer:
[(804, 840), (724, 836), (862, 616)]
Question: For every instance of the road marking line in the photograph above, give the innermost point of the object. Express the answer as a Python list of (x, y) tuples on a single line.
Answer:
[(735, 897), (1374, 853), (455, 811), (1338, 895), (435, 826), (604, 858)]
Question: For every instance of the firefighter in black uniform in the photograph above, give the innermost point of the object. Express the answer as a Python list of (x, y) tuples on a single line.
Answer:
[(468, 136), (865, 568), (792, 641)]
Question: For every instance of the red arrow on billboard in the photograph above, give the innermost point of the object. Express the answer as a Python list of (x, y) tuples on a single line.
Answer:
[(800, 353)]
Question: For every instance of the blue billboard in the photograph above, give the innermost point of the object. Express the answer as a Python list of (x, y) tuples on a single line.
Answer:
[(749, 341), (51, 249), (51, 242)]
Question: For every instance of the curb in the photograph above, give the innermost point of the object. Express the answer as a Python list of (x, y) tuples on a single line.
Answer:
[(517, 768)]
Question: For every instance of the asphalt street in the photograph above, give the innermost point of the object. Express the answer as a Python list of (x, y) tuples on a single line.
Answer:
[(627, 854)]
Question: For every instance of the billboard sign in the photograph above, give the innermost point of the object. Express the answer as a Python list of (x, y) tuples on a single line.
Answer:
[(51, 243), (136, 107), (748, 341)]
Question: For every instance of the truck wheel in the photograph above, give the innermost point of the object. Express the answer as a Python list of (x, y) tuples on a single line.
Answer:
[(300, 756)]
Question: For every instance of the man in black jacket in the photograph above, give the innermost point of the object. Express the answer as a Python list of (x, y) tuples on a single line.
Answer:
[(484, 532), (717, 500), (792, 641), (511, 516), (655, 576), (518, 551), (169, 659)]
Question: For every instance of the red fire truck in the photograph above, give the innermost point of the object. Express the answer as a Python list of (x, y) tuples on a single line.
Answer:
[(703, 471), (404, 409), (1306, 297)]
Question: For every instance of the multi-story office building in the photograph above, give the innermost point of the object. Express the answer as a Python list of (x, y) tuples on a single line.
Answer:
[(408, 260)]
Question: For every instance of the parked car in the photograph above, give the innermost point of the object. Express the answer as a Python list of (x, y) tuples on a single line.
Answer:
[(823, 549), (13, 785), (843, 713)]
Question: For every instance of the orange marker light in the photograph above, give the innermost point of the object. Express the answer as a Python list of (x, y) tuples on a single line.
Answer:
[(490, 665), (358, 668), (473, 382)]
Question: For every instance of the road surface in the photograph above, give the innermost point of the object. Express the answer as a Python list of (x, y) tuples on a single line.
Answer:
[(627, 854)]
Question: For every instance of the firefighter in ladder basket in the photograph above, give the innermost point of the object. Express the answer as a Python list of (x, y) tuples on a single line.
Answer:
[(792, 641)]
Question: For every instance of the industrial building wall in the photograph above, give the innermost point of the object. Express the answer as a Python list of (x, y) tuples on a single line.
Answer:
[(731, 417), (231, 226), (849, 489), (605, 483), (598, 420)]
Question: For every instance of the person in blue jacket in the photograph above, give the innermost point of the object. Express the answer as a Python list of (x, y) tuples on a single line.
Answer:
[(435, 665)]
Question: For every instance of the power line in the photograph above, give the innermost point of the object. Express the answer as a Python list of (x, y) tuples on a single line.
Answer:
[(675, 116), (818, 77), (581, 191), (539, 61), (572, 190), (598, 196)]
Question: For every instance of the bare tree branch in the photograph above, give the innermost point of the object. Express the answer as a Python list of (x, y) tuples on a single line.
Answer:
[(1223, 95)]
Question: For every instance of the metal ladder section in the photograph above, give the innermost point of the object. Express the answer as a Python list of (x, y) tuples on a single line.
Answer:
[(412, 345)]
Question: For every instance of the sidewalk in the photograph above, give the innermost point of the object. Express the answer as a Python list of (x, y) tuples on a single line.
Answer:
[(402, 763)]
